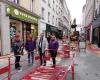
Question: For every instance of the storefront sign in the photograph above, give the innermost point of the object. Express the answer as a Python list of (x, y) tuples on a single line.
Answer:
[(14, 12)]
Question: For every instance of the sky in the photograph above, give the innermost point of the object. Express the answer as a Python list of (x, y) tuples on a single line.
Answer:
[(75, 7)]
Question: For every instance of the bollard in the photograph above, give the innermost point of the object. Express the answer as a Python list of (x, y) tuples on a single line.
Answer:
[(73, 75), (9, 69)]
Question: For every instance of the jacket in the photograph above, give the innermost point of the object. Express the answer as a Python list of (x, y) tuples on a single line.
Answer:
[(53, 46), (17, 47), (44, 44), (30, 45)]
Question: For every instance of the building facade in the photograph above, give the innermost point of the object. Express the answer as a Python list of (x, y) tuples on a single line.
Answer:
[(92, 21), (55, 16), (96, 23), (34, 16), (17, 16), (88, 13)]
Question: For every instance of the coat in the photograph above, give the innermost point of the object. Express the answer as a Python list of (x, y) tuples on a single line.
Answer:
[(53, 46), (44, 44), (17, 47), (30, 45)]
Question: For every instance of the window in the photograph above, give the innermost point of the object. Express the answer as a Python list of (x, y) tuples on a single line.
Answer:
[(53, 19), (53, 6), (16, 1), (49, 3), (43, 13), (56, 22), (31, 5), (49, 17), (44, 1)]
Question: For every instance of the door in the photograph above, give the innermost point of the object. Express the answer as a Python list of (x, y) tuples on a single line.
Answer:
[(99, 37)]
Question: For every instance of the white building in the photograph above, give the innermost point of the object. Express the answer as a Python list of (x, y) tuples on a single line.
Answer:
[(55, 14), (83, 15)]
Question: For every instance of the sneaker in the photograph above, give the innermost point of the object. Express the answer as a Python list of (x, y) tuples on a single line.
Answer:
[(19, 70)]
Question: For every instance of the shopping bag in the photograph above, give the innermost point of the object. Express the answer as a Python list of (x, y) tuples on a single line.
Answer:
[(37, 57), (47, 57)]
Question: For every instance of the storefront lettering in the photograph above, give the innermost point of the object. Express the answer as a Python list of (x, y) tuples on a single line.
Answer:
[(20, 14)]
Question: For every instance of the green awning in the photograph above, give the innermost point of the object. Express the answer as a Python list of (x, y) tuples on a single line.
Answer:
[(20, 14)]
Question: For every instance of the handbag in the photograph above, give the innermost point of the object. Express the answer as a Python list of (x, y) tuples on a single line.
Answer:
[(37, 57), (47, 56)]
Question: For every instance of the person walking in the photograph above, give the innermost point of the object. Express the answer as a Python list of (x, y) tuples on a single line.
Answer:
[(48, 37), (30, 47), (53, 48), (42, 46), (17, 46)]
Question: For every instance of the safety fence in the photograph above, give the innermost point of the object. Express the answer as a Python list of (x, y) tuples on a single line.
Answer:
[(49, 73), (8, 71)]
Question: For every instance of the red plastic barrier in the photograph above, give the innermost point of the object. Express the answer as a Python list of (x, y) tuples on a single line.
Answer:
[(4, 69), (8, 68), (44, 73), (66, 50)]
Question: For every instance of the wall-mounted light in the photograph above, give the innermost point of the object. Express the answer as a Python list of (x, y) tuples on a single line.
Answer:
[(32, 27)]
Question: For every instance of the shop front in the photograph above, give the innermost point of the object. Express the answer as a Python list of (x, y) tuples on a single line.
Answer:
[(22, 22), (96, 32), (54, 31), (15, 19)]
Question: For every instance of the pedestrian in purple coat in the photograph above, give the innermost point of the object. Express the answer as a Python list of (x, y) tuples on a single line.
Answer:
[(30, 47), (53, 48)]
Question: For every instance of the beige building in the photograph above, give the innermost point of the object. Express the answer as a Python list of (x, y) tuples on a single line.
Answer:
[(19, 15), (55, 17)]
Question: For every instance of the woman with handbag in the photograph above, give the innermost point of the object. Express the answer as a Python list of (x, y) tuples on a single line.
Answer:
[(53, 48), (30, 47)]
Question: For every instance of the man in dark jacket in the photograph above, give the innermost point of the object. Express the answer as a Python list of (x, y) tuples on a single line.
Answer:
[(30, 46), (17, 51), (53, 48), (48, 37)]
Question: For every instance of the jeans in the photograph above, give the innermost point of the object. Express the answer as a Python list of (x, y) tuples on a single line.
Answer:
[(53, 55), (30, 57), (17, 62), (42, 57)]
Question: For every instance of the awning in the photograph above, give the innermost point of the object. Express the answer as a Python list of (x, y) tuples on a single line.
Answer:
[(96, 22)]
